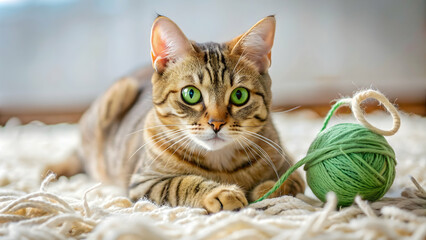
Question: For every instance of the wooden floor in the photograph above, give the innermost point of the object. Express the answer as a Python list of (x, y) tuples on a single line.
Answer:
[(53, 116)]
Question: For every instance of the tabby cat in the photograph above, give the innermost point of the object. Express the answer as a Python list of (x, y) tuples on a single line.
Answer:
[(199, 133)]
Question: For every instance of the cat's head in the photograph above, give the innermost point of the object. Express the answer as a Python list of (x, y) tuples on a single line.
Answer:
[(217, 94)]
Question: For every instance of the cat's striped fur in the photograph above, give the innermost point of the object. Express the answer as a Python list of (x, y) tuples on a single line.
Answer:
[(213, 154)]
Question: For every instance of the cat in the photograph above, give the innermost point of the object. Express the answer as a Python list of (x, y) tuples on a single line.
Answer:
[(199, 133)]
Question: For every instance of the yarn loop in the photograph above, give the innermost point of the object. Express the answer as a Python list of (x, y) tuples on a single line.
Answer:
[(350, 159)]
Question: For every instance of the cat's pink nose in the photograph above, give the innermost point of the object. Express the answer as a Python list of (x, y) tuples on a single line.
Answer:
[(216, 124)]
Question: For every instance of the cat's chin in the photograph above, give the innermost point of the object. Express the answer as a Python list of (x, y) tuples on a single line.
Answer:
[(213, 144)]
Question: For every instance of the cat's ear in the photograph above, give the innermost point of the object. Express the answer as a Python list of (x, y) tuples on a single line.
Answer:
[(168, 43), (256, 43)]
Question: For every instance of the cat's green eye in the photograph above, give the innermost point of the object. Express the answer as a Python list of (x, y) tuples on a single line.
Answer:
[(239, 96), (191, 95)]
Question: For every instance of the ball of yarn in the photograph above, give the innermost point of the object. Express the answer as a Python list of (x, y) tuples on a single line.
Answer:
[(349, 159)]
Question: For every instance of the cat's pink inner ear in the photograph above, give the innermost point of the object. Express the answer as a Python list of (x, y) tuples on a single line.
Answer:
[(168, 43), (257, 42)]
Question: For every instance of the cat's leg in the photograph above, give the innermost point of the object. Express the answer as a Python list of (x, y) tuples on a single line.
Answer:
[(292, 186), (187, 190), (96, 123), (117, 100)]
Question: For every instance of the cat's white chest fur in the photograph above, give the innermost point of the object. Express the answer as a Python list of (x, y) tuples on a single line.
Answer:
[(222, 159)]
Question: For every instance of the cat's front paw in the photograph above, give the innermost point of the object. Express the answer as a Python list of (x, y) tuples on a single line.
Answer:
[(224, 198), (292, 186)]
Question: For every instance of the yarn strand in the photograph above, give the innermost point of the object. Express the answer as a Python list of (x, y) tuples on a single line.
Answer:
[(282, 179), (337, 105)]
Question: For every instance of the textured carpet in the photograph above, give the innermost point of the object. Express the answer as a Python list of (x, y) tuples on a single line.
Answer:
[(80, 208)]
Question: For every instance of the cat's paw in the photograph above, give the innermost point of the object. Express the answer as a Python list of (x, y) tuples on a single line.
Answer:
[(70, 166), (225, 198), (292, 186), (263, 188)]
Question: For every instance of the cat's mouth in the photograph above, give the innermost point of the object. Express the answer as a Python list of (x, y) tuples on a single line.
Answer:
[(213, 143), (215, 139), (216, 143)]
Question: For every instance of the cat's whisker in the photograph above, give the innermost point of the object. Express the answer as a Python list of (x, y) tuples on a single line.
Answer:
[(154, 137), (288, 110), (176, 135), (271, 143), (265, 154), (200, 150), (186, 148), (248, 157), (193, 147), (171, 131), (250, 126), (184, 138), (268, 141), (159, 138), (186, 142), (165, 125), (251, 150)]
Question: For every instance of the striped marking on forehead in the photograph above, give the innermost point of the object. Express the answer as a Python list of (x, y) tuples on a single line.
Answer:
[(215, 62)]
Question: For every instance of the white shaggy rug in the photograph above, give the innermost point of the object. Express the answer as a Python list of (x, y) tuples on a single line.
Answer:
[(79, 208)]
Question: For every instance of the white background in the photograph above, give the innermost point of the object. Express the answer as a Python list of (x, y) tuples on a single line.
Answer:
[(63, 53)]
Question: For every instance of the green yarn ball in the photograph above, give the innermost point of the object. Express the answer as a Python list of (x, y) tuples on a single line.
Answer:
[(349, 159)]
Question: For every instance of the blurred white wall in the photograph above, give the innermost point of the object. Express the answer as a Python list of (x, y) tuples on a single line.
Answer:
[(63, 53)]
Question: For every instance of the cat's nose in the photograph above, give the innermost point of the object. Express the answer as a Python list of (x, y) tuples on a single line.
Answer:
[(216, 124)]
